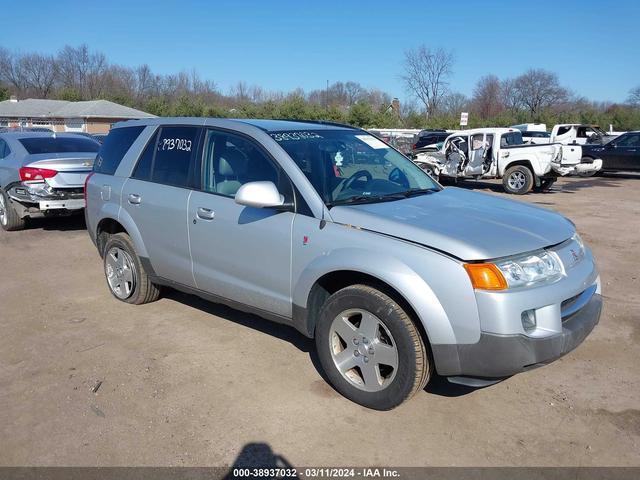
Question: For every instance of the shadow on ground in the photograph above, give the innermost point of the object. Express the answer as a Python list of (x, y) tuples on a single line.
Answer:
[(260, 456), (437, 386), (63, 224)]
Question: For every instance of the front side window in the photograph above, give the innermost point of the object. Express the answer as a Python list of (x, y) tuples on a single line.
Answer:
[(349, 166), (630, 140), (229, 161)]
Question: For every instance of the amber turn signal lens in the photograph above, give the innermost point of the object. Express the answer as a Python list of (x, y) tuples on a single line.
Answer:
[(485, 276)]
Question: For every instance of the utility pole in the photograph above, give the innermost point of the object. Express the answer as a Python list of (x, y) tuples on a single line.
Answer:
[(326, 97)]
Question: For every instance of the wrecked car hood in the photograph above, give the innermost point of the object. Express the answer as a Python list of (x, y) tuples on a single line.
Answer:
[(468, 225)]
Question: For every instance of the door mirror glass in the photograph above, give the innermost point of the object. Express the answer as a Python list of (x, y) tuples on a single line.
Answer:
[(259, 195)]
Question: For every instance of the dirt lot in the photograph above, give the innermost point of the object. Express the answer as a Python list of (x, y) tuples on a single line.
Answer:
[(185, 382)]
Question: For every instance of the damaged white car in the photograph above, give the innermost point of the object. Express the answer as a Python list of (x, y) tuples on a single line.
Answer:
[(501, 153)]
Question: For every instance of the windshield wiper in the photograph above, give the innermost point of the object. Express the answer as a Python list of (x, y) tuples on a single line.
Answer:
[(414, 192), (358, 199)]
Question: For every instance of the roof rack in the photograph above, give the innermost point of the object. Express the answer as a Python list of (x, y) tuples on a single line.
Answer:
[(319, 122)]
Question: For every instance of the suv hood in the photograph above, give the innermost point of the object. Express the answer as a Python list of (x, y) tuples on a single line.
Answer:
[(468, 225)]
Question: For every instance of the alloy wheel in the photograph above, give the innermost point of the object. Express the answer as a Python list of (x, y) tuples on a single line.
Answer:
[(120, 271), (3, 210), (363, 350), (517, 180)]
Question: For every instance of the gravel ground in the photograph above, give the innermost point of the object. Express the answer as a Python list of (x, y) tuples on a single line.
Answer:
[(87, 380)]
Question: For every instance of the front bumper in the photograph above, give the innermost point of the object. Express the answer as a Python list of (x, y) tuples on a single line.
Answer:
[(565, 312), (500, 356)]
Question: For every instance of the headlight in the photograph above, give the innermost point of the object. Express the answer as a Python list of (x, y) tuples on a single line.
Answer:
[(578, 239), (541, 267), (517, 271)]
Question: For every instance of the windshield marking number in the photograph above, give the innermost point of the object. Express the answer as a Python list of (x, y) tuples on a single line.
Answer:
[(175, 144)]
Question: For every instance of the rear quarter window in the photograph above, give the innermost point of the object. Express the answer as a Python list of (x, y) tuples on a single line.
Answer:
[(114, 148)]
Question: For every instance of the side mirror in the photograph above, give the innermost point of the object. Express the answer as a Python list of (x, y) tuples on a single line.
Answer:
[(259, 195)]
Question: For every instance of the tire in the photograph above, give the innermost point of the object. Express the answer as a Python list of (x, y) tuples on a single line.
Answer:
[(126, 278), (518, 180), (10, 221), (375, 325), (545, 184)]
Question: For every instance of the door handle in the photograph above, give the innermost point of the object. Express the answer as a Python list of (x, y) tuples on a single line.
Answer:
[(134, 199), (205, 213)]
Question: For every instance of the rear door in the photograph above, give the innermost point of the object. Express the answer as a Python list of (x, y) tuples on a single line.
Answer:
[(240, 253), (156, 197)]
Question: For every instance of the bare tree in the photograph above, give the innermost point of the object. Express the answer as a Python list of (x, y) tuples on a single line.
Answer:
[(427, 74), (354, 92), (634, 96), (81, 70), (39, 73), (487, 97), (539, 89), (454, 103), (11, 71), (509, 95)]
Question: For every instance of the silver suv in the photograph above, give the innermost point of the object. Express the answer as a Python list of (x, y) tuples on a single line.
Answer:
[(329, 230)]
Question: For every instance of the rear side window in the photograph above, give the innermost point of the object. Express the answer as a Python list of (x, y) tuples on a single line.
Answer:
[(167, 158), (174, 151), (114, 148), (37, 145)]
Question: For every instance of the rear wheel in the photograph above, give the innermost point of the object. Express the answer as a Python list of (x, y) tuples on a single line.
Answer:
[(370, 348), (518, 180), (126, 277), (9, 218), (545, 184)]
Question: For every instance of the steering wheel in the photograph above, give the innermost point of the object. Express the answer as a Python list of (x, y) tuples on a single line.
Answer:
[(354, 177)]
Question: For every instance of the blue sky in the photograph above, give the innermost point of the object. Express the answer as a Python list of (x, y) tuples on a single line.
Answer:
[(593, 46)]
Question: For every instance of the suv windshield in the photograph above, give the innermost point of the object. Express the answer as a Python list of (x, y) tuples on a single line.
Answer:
[(347, 166), (52, 144)]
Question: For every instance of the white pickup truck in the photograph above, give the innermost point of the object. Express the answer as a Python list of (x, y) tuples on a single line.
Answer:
[(500, 153), (578, 133)]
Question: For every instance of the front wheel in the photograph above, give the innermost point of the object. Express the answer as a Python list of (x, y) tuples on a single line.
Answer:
[(518, 180), (370, 349)]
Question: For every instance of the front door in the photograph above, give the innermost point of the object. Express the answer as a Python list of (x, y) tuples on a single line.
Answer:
[(157, 197), (626, 153), (240, 253)]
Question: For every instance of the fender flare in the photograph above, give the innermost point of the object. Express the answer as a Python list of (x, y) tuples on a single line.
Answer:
[(114, 212), (387, 269)]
